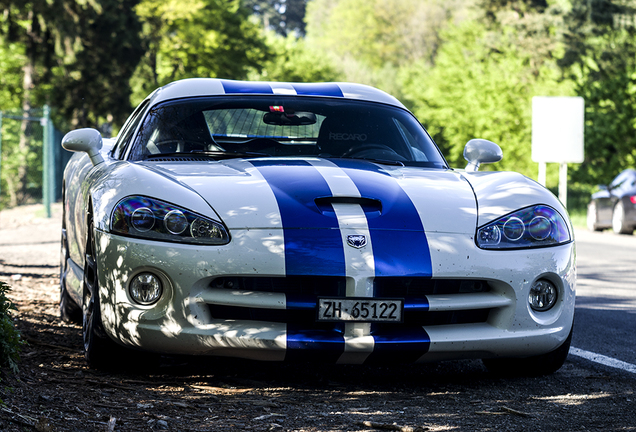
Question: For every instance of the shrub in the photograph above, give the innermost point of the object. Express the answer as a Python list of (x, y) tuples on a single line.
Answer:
[(10, 341)]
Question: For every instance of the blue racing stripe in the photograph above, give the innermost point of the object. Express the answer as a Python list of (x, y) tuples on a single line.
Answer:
[(400, 247), (299, 302), (315, 345), (246, 87), (404, 345), (320, 89), (416, 304), (313, 243)]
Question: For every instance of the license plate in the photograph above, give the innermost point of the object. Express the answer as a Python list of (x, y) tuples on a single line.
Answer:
[(360, 309)]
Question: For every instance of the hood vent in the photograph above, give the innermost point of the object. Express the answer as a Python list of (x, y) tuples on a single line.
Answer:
[(372, 207)]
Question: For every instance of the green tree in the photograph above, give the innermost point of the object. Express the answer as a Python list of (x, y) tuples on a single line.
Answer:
[(371, 40), (23, 29), (601, 60), (11, 61), (482, 83), (77, 55), (292, 61), (285, 17), (204, 38), (90, 82)]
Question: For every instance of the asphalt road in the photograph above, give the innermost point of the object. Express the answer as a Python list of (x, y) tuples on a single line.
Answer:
[(605, 320)]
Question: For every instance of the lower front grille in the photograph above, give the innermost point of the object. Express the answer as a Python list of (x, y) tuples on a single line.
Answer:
[(307, 317), (296, 285), (298, 296), (417, 287)]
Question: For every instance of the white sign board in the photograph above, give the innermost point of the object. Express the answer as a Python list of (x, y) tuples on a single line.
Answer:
[(557, 129)]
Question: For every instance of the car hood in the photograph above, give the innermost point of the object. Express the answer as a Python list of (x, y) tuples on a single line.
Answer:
[(316, 193)]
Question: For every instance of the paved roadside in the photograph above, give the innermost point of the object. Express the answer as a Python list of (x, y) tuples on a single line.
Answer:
[(29, 241)]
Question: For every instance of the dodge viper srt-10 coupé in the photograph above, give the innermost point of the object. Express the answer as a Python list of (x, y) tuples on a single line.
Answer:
[(614, 206), (307, 222)]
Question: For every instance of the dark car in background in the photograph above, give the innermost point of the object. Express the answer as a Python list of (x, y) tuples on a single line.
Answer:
[(614, 206)]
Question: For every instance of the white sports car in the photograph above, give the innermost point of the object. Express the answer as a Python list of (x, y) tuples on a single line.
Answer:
[(287, 221)]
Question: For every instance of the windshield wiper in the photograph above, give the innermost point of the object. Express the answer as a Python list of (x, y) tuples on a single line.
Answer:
[(210, 154), (380, 161)]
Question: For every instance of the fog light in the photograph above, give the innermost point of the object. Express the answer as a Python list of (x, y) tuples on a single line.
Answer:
[(145, 289), (543, 295)]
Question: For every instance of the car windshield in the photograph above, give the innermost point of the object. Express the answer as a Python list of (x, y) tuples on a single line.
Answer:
[(284, 126)]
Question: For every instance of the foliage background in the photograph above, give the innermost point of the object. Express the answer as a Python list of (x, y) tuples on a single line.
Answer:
[(467, 68)]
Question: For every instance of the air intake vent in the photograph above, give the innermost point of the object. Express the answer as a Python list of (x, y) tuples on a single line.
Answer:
[(369, 205)]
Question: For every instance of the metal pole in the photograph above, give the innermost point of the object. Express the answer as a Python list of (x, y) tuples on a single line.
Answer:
[(542, 173), (563, 184), (46, 156)]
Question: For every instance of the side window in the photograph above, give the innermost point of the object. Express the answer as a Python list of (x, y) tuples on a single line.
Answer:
[(128, 130), (619, 181)]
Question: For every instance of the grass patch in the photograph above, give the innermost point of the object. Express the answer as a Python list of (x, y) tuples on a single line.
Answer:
[(578, 218)]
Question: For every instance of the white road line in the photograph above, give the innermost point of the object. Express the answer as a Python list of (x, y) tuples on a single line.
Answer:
[(604, 360)]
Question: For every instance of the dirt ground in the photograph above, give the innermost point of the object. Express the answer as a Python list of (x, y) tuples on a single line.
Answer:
[(55, 391)]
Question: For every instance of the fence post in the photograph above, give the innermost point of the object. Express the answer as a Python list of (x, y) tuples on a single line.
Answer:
[(46, 161)]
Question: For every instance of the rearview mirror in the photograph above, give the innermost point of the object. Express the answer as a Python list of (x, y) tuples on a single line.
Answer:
[(289, 119), (479, 151)]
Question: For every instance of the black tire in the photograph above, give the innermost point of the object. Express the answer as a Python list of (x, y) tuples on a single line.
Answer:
[(100, 351), (618, 220), (544, 364), (69, 310)]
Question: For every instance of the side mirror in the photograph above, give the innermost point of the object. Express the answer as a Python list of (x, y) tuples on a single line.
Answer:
[(479, 151), (85, 140)]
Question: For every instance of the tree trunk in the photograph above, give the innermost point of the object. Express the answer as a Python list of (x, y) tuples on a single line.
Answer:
[(24, 146)]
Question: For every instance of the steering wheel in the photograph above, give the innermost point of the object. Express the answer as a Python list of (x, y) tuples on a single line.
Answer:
[(368, 150)]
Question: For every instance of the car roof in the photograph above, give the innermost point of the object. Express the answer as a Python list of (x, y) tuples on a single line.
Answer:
[(194, 87)]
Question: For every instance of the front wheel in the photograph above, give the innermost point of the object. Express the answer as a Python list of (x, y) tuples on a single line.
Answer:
[(618, 220), (592, 217), (544, 364), (99, 350), (69, 310)]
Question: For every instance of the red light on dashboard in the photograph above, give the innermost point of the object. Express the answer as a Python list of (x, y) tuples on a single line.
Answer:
[(276, 108)]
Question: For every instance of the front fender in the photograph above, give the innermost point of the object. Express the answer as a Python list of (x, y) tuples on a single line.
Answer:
[(500, 193), (121, 179)]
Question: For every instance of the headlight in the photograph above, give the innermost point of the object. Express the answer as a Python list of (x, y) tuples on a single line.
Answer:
[(150, 218), (536, 226)]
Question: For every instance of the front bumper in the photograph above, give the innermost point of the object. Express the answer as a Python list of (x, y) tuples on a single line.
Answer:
[(449, 317)]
